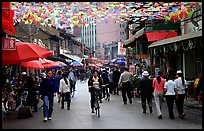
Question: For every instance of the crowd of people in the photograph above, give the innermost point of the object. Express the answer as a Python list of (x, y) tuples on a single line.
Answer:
[(113, 81)]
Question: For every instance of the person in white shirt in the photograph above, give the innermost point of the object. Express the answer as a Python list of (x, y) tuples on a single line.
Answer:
[(125, 83), (181, 87), (170, 92), (64, 89)]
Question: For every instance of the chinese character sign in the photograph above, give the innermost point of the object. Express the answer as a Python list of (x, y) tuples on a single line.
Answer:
[(121, 50), (8, 43)]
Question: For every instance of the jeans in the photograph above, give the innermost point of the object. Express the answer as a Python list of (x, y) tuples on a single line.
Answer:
[(158, 97), (48, 106)]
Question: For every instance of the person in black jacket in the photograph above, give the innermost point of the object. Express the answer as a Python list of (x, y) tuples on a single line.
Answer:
[(105, 81), (116, 77), (145, 88), (32, 95)]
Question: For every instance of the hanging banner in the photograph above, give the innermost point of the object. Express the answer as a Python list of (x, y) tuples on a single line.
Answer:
[(8, 43), (121, 50)]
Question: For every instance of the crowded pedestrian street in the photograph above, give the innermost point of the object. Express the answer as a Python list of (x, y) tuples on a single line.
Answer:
[(102, 65), (114, 115)]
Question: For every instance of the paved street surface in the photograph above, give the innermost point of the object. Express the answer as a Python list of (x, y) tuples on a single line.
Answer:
[(114, 115)]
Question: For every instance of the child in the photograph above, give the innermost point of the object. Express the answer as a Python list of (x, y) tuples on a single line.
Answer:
[(10, 96)]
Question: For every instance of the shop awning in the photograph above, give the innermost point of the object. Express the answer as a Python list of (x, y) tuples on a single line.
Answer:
[(155, 35), (177, 39), (72, 57), (135, 36)]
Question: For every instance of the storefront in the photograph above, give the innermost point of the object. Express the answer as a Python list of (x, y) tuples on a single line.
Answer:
[(179, 53)]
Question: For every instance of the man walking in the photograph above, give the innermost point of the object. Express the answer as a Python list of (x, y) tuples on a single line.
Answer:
[(145, 88), (125, 84)]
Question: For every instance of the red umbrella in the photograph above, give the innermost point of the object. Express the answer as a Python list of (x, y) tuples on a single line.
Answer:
[(36, 64), (49, 63), (24, 52)]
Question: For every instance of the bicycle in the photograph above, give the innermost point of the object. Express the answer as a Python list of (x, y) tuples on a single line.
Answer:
[(97, 92), (19, 99), (40, 101)]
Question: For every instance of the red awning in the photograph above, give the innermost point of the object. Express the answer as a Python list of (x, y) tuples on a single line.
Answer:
[(155, 35)]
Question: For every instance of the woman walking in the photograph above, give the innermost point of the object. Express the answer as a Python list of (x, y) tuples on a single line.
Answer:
[(170, 92), (158, 85), (48, 89), (181, 87), (64, 89)]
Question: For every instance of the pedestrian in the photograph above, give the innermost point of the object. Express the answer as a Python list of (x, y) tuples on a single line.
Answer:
[(181, 87), (158, 85), (94, 81), (145, 88), (58, 77), (110, 77), (170, 92), (72, 78), (10, 96), (64, 90), (125, 84), (105, 81), (116, 77), (48, 89), (31, 99)]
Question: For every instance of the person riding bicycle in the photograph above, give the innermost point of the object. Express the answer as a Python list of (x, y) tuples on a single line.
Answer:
[(94, 81)]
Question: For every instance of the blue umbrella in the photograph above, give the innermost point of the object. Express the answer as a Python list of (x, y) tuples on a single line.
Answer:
[(120, 61), (76, 63)]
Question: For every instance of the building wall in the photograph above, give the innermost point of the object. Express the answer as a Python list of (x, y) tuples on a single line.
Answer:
[(107, 32), (88, 34)]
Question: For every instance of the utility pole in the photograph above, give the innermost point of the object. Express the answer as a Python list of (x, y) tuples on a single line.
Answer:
[(127, 37)]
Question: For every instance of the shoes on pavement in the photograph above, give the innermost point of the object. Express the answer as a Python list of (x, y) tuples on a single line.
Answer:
[(68, 108), (125, 103), (92, 111), (130, 101), (45, 119), (62, 107), (159, 117), (144, 112), (150, 110), (182, 116), (49, 118)]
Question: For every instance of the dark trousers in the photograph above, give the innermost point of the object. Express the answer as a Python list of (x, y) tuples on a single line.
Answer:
[(72, 86), (66, 97), (126, 89), (115, 87), (93, 98), (179, 103), (111, 87), (170, 103), (148, 98)]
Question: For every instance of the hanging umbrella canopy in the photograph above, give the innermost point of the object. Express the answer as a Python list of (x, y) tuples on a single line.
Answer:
[(76, 63), (24, 52)]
